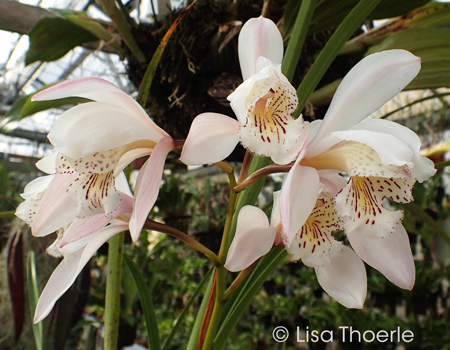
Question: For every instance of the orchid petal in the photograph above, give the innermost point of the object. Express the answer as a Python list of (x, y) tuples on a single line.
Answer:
[(344, 279), (36, 187), (259, 37), (423, 168), (253, 239), (85, 226), (147, 185), (211, 139), (68, 270), (360, 204), (57, 208), (86, 129), (390, 149), (314, 242), (48, 163), (369, 85), (298, 198), (99, 90), (391, 255)]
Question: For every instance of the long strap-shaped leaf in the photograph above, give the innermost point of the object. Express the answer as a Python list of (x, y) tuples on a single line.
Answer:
[(146, 302), (255, 281), (186, 310), (33, 296)]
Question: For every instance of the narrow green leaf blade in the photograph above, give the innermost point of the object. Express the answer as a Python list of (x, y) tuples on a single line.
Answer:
[(246, 293), (24, 107), (33, 297), (186, 309), (146, 302)]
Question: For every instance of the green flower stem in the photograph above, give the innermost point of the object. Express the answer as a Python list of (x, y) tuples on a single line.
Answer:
[(238, 281), (113, 12), (332, 48), (113, 288), (297, 39), (437, 165), (219, 301)]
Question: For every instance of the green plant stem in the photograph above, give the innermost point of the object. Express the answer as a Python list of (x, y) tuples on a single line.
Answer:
[(219, 301), (113, 288), (332, 48), (238, 281), (440, 165), (113, 12), (419, 212), (297, 39)]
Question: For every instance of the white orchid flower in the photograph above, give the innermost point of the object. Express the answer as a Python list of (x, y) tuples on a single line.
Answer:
[(263, 105), (94, 142), (381, 159), (340, 272), (78, 240)]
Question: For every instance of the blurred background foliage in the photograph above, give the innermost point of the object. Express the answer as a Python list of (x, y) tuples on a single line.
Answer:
[(198, 70)]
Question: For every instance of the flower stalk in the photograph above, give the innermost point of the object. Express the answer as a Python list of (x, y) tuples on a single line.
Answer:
[(113, 288)]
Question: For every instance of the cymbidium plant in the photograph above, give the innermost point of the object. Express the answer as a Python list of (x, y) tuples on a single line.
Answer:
[(340, 175)]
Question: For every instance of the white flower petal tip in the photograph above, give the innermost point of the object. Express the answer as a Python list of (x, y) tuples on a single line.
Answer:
[(254, 238), (344, 279), (212, 137), (391, 255), (369, 85), (259, 37), (74, 87)]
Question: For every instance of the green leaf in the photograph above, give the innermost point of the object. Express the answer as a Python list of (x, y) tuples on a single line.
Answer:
[(52, 38), (432, 45), (240, 300), (24, 107), (33, 297), (147, 304), (330, 13), (82, 20), (186, 309)]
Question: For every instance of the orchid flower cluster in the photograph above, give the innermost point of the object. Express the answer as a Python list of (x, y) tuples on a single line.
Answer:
[(342, 171)]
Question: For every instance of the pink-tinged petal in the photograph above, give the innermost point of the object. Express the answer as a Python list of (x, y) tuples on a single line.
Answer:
[(253, 239), (212, 137), (57, 208), (369, 85), (259, 37), (275, 217), (86, 129), (147, 185), (82, 227), (390, 255), (130, 156), (299, 194), (68, 270), (332, 182), (344, 279), (98, 90), (423, 168)]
